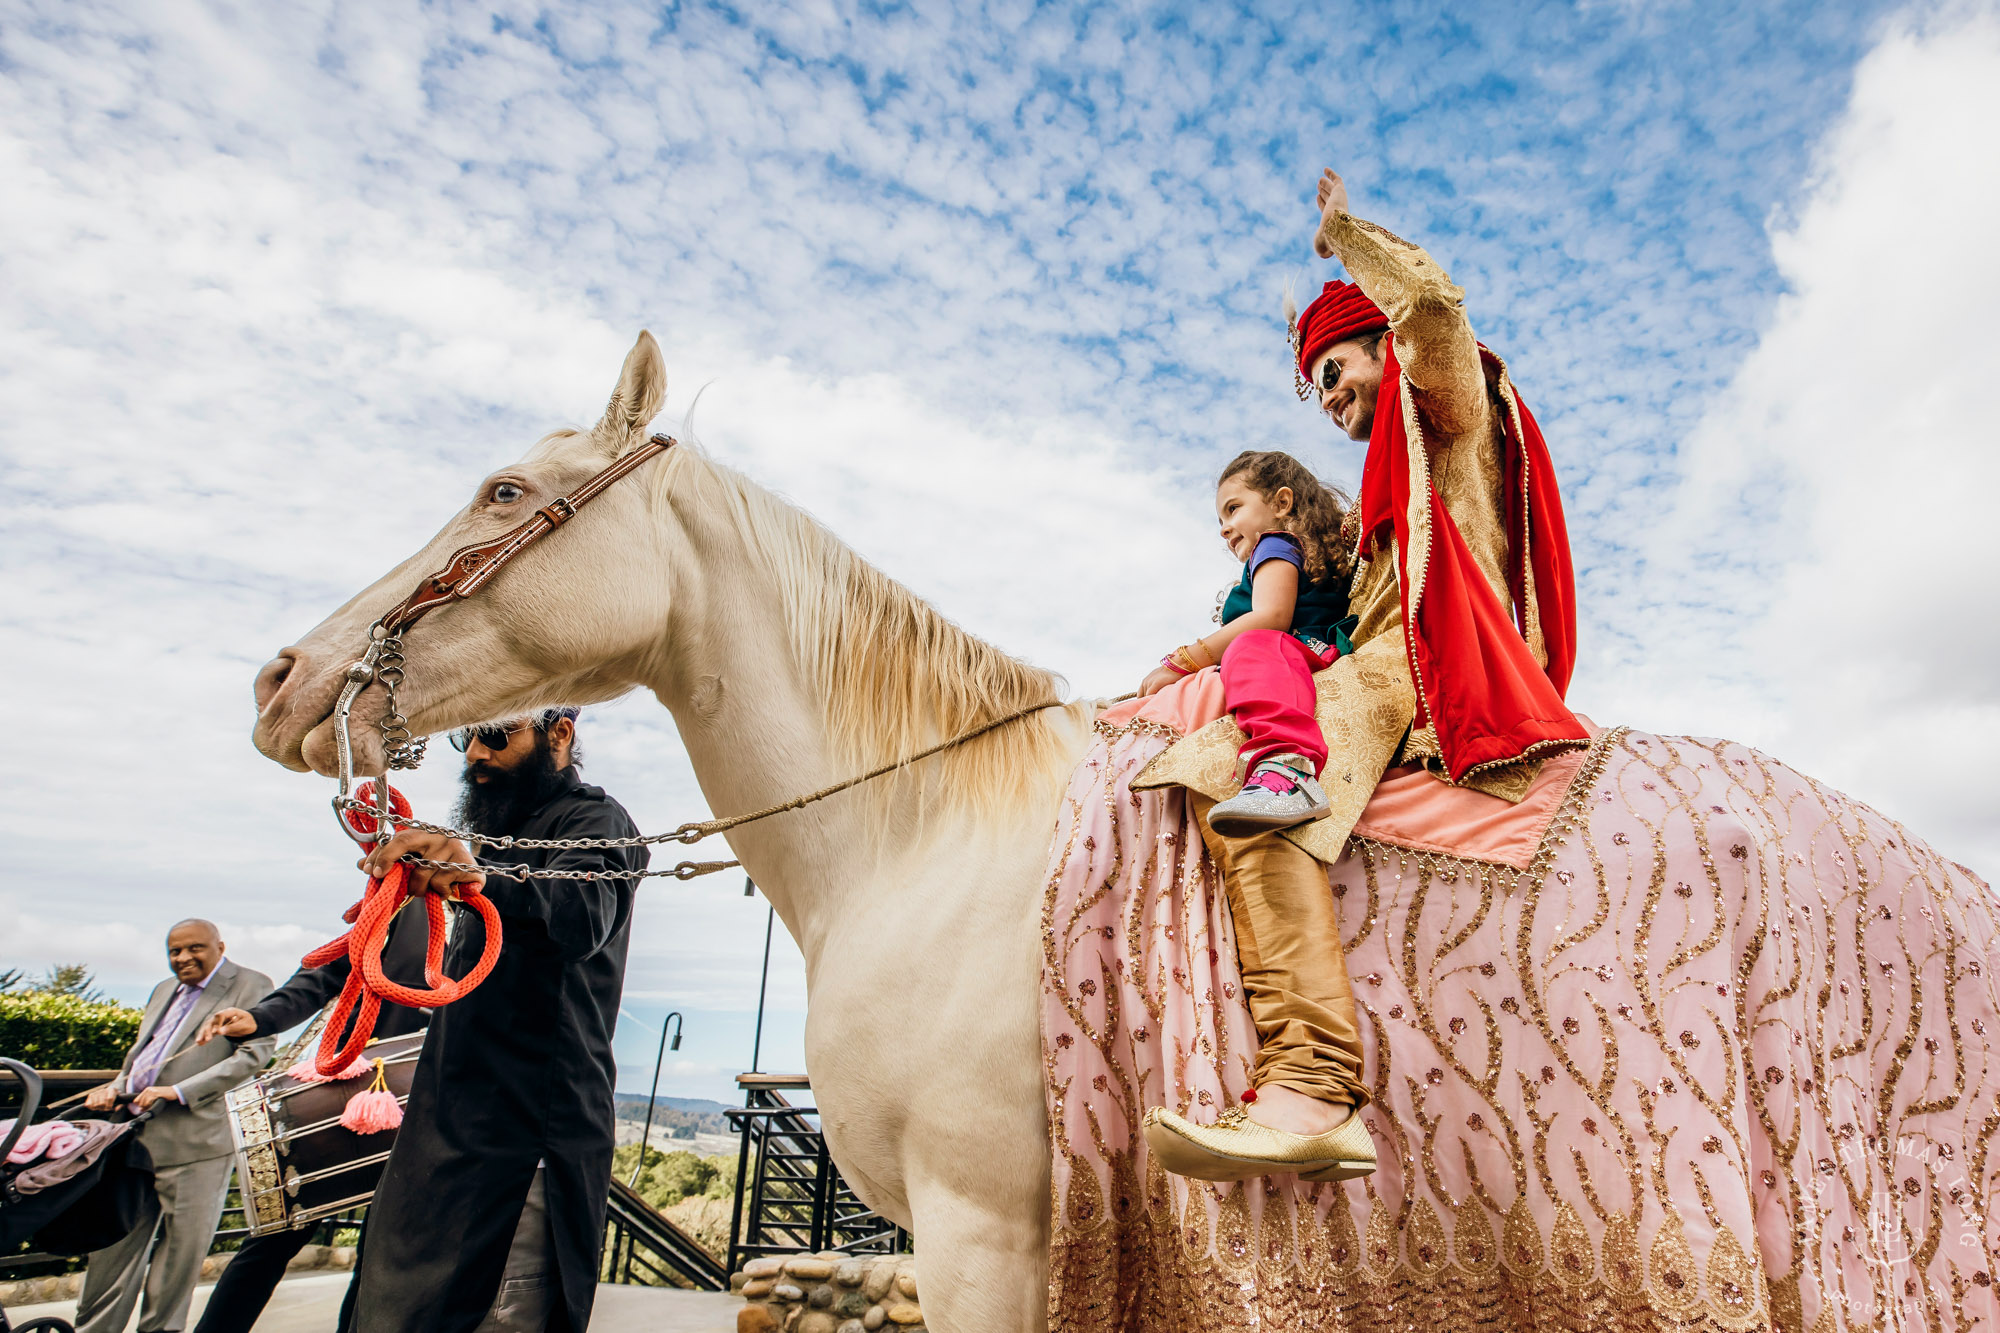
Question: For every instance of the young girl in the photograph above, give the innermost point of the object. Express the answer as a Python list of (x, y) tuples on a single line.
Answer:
[(1285, 619)]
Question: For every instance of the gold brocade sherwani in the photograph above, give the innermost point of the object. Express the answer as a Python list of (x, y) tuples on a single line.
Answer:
[(1459, 413), (1367, 701)]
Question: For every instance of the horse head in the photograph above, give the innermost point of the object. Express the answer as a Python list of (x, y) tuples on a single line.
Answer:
[(561, 626)]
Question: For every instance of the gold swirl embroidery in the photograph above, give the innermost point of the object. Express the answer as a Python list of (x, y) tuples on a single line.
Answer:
[(1708, 960)]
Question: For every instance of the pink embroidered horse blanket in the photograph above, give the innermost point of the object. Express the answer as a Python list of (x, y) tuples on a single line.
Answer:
[(1714, 1054)]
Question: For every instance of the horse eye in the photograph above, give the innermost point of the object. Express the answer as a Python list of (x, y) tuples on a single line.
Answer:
[(506, 493)]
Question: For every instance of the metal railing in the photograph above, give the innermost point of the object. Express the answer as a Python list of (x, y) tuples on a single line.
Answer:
[(34, 1263), (645, 1247), (789, 1195), (641, 1245)]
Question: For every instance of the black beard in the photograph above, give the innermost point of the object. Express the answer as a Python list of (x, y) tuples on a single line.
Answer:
[(504, 802)]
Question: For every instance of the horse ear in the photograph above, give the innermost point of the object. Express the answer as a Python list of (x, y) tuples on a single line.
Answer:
[(641, 392)]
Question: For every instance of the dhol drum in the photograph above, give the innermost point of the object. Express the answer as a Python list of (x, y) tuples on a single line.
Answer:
[(295, 1161)]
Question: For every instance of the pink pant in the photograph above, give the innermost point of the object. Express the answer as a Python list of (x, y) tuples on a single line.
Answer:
[(1267, 683)]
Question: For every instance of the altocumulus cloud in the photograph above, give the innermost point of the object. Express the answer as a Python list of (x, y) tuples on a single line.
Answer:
[(991, 290), (1824, 579)]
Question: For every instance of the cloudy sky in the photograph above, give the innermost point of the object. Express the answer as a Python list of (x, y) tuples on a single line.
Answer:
[(992, 290)]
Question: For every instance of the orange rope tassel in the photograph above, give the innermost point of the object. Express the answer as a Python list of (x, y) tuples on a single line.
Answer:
[(367, 986)]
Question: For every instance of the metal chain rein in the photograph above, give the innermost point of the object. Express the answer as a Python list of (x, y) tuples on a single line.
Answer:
[(686, 870), (686, 833)]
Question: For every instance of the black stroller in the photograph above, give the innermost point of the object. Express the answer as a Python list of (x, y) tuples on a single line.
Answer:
[(80, 1202)]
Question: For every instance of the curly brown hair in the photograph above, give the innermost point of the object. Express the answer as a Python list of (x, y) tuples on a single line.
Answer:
[(1318, 509)]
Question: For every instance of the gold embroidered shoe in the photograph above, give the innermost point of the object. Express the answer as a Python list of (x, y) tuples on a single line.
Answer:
[(1236, 1147)]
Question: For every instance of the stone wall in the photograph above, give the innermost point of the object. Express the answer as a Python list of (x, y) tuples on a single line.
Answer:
[(67, 1286), (829, 1293)]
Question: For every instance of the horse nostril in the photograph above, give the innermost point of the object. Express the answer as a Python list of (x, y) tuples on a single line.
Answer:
[(272, 676)]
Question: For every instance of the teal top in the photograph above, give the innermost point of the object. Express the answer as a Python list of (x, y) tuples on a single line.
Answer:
[(1319, 618)]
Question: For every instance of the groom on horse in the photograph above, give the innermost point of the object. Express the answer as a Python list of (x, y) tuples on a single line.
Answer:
[(1466, 607)]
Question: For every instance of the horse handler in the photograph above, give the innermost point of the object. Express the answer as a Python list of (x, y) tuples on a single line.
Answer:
[(511, 1106)]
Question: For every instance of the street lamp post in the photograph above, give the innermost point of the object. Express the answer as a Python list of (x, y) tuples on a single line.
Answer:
[(673, 1022), (763, 984)]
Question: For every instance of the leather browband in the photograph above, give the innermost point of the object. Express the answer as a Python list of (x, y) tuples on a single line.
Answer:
[(470, 568)]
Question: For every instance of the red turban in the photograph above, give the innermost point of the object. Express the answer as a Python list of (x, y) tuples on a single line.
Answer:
[(1341, 311)]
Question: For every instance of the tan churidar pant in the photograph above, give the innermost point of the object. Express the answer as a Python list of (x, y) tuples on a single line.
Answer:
[(1294, 969)]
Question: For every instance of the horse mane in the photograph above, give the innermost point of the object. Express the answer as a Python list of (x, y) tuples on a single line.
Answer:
[(895, 676)]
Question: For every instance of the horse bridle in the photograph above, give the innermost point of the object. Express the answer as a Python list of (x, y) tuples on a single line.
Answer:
[(473, 567), (469, 569)]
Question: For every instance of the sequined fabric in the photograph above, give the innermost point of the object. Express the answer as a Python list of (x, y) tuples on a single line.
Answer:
[(1718, 1060)]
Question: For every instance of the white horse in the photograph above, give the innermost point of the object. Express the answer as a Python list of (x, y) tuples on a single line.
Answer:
[(788, 663)]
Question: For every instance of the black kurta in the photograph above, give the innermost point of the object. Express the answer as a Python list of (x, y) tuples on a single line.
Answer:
[(517, 1072)]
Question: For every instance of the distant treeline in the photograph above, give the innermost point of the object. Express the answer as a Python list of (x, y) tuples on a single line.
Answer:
[(681, 1117)]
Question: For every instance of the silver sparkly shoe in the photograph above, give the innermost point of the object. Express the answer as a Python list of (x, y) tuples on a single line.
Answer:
[(1258, 809)]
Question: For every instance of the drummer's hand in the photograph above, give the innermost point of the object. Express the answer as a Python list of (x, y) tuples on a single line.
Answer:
[(432, 847), (102, 1097), (159, 1092), (226, 1023)]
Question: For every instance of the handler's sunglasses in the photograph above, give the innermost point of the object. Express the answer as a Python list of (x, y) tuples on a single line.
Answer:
[(1329, 375), (493, 737)]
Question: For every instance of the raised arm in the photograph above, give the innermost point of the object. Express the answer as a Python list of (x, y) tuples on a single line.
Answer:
[(1434, 340)]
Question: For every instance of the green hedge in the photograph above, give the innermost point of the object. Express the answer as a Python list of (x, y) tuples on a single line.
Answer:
[(63, 1032)]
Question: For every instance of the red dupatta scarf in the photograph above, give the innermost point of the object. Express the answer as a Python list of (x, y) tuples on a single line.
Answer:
[(1478, 683)]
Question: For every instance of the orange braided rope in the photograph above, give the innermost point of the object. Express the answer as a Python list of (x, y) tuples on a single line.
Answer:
[(367, 986)]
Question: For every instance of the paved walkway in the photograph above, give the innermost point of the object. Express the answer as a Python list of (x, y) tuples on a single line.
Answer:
[(311, 1304)]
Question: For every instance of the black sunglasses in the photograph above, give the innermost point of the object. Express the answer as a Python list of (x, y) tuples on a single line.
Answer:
[(493, 736)]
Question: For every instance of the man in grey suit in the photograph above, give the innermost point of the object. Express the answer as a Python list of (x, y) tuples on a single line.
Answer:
[(188, 1136)]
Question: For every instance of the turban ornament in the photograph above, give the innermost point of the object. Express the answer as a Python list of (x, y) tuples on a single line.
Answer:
[(1299, 384)]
